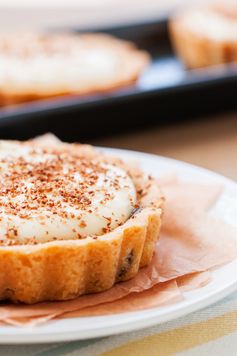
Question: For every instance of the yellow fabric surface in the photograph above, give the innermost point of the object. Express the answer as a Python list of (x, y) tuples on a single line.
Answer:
[(179, 339)]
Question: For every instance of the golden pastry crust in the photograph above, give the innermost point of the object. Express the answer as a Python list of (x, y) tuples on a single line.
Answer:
[(198, 48), (130, 64), (61, 270)]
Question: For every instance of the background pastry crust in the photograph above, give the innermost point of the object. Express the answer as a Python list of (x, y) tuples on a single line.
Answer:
[(201, 49)]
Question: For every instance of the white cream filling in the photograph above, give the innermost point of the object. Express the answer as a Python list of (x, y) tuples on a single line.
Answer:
[(43, 225), (78, 68)]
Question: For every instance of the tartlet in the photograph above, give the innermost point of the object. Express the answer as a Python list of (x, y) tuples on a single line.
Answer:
[(205, 35), (73, 220), (42, 65)]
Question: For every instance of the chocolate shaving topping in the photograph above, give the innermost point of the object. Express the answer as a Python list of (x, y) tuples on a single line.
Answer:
[(48, 181)]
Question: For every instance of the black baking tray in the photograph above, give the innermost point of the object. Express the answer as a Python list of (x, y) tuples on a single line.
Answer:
[(165, 92)]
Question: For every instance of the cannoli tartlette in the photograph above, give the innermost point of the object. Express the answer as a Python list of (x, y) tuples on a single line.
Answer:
[(206, 35), (72, 220), (42, 65)]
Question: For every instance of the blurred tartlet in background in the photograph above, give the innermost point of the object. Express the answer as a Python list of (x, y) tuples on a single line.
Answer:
[(205, 35), (42, 65)]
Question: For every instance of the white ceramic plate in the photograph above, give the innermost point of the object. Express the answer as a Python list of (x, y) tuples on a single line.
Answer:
[(224, 278)]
